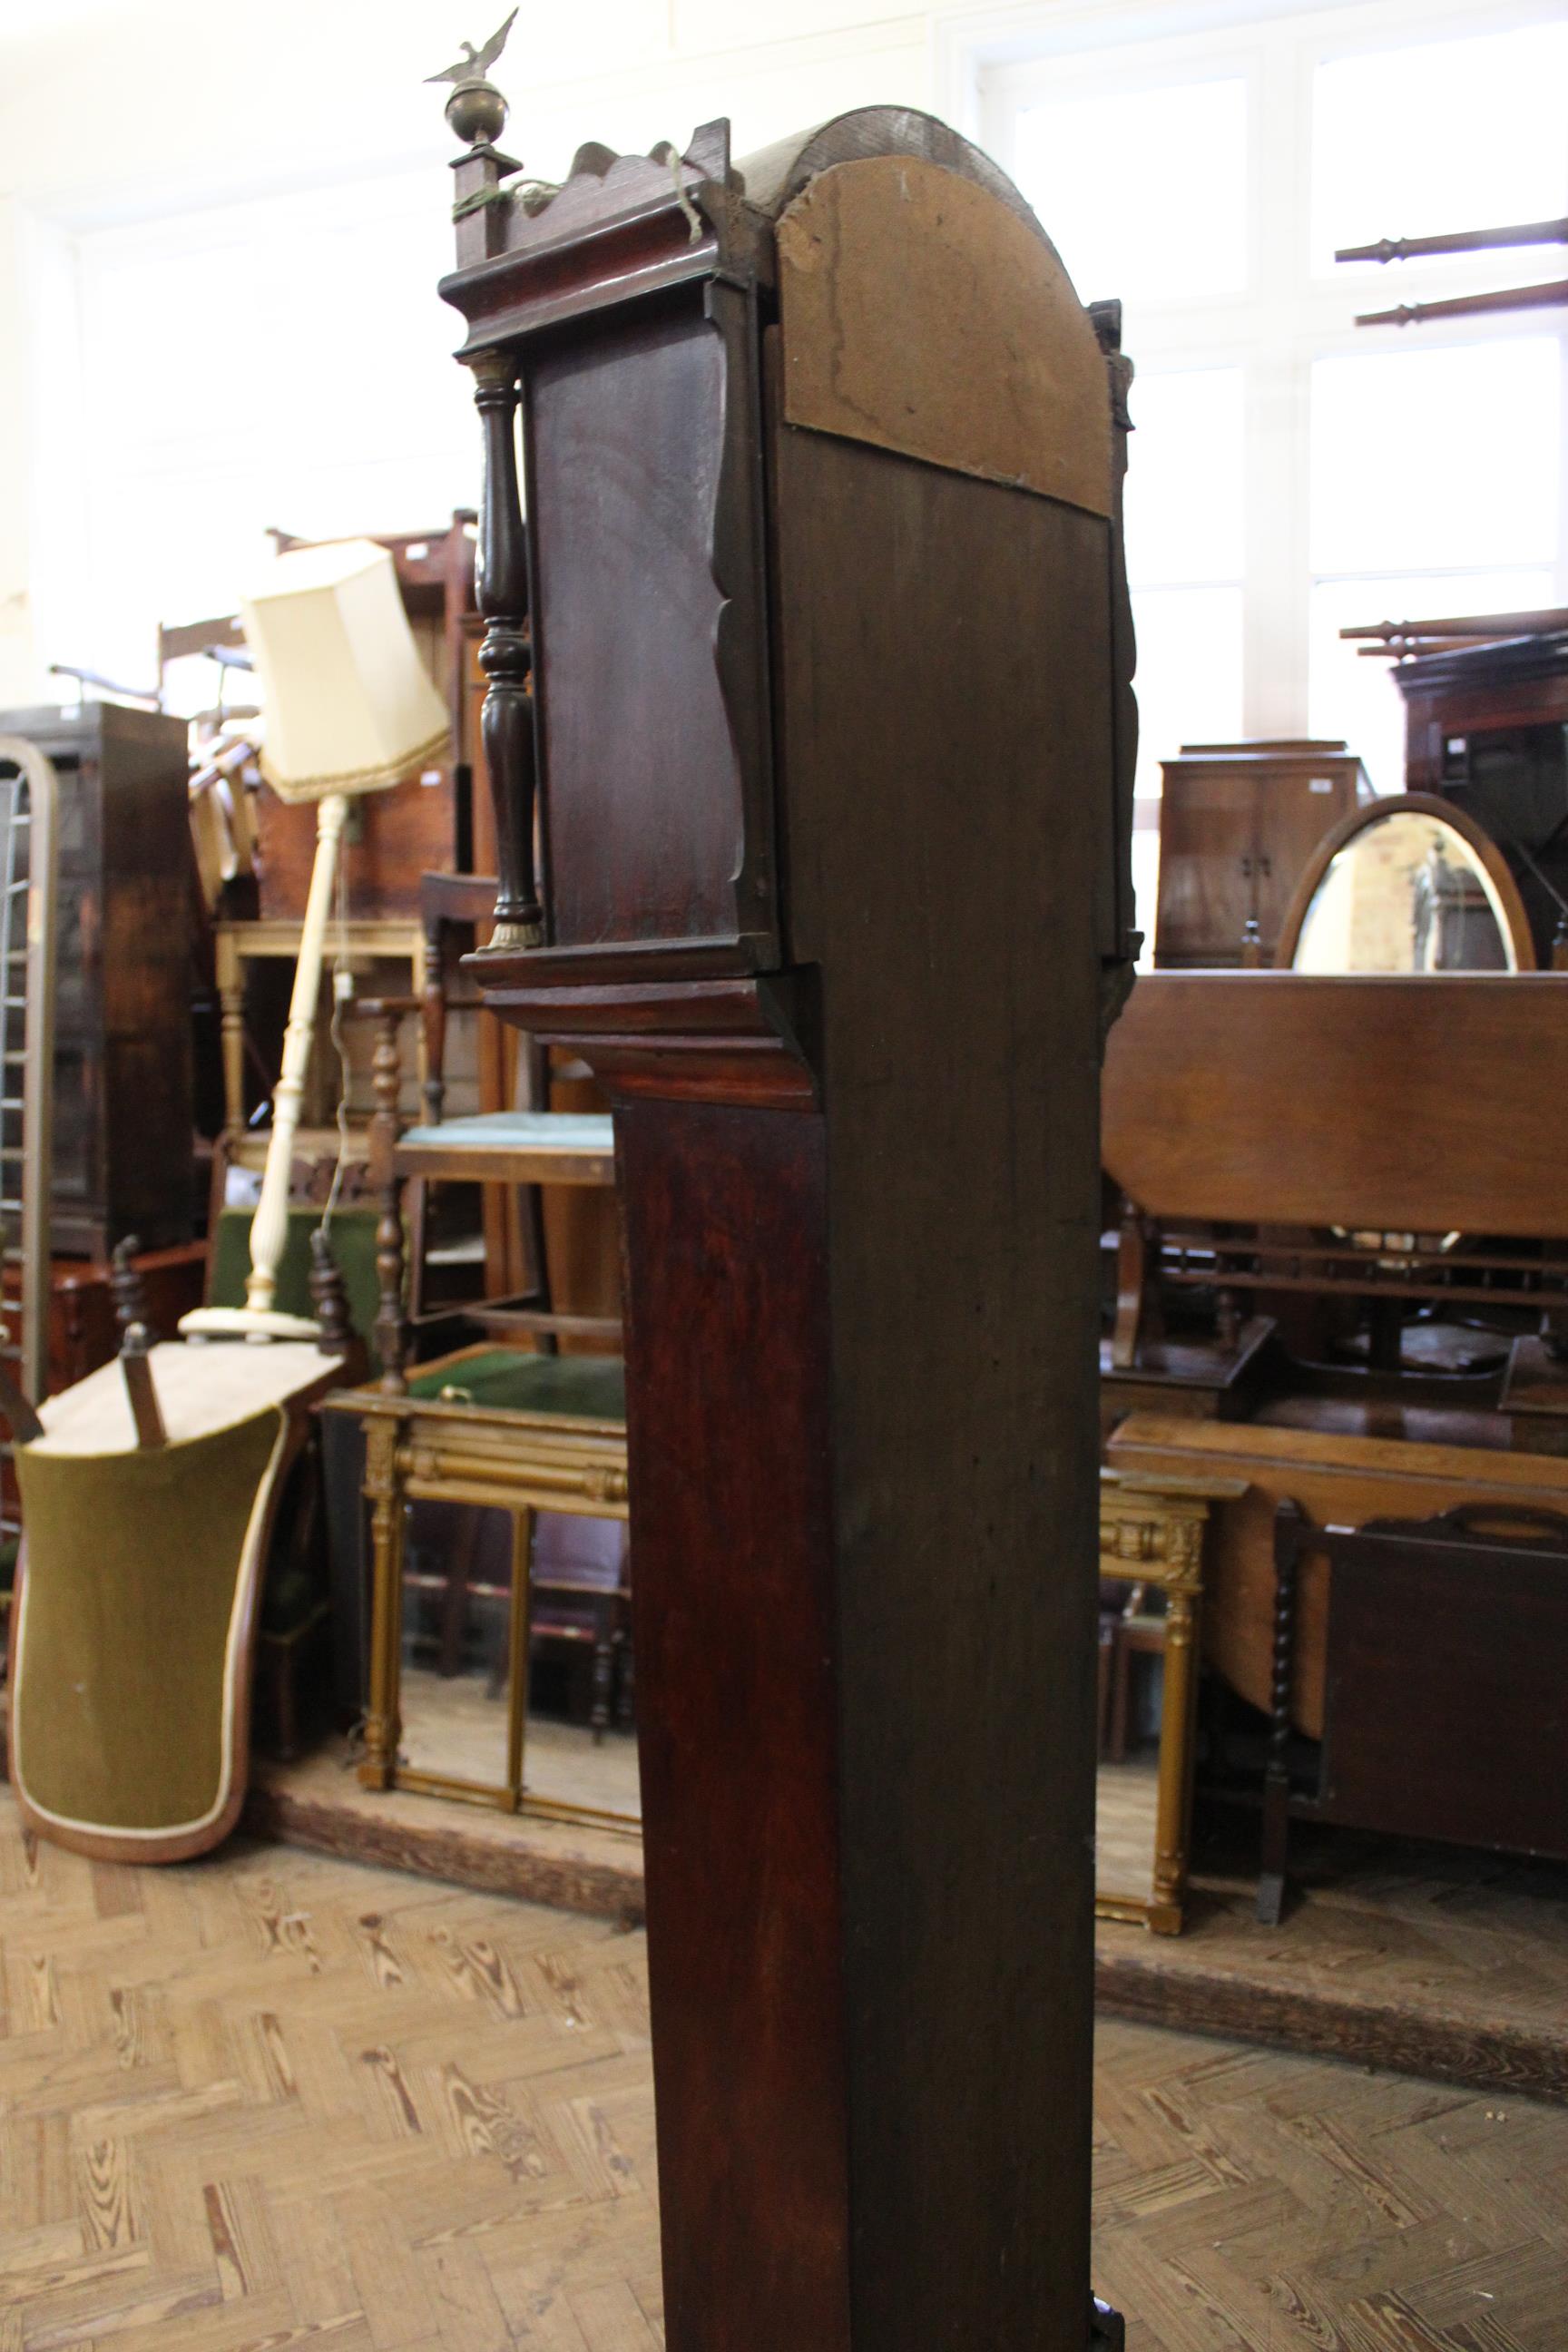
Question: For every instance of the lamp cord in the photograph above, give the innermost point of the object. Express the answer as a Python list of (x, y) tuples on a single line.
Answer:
[(342, 988)]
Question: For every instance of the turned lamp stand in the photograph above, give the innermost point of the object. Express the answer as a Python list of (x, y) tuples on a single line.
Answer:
[(259, 1319), (831, 724)]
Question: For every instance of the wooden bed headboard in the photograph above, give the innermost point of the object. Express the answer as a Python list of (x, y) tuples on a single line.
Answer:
[(1420, 1105)]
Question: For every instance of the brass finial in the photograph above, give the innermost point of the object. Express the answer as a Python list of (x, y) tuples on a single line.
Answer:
[(476, 109)]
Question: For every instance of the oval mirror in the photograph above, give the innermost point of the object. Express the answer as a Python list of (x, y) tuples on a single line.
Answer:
[(1406, 885)]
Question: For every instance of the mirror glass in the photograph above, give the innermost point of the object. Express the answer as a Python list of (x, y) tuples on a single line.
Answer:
[(1406, 894), (581, 1750), (1131, 1711), (455, 1682), (530, 1704)]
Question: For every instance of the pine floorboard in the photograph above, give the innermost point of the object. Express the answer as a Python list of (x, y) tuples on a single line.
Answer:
[(275, 2098)]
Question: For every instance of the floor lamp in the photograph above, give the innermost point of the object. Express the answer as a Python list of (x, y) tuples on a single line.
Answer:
[(348, 709)]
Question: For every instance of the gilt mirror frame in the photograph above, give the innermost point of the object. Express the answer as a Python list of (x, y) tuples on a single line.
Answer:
[(1153, 1535), (1480, 844)]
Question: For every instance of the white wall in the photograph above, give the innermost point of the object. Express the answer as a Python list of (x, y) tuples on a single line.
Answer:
[(221, 223)]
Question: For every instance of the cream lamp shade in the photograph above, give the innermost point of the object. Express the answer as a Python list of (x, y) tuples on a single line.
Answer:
[(349, 706)]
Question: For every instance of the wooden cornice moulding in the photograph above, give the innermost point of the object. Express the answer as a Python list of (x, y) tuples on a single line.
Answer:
[(620, 227), (641, 252), (725, 1041)]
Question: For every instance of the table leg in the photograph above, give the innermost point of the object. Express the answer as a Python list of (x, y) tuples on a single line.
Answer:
[(230, 973)]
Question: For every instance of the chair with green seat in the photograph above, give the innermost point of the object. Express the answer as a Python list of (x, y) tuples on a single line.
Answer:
[(525, 1148)]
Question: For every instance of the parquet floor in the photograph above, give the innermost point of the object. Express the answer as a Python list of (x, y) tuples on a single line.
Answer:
[(275, 2099)]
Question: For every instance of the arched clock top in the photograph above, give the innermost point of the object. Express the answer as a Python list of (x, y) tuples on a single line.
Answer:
[(664, 324)]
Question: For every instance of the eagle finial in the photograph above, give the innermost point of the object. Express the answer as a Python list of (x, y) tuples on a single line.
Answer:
[(475, 64), (476, 108)]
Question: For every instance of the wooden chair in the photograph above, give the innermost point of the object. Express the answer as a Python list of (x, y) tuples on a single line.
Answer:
[(544, 1245), (520, 1148)]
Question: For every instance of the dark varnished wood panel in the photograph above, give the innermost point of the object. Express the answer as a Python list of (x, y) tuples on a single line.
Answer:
[(391, 839), (642, 784), (945, 722), (1294, 1099), (736, 1697), (1458, 1743)]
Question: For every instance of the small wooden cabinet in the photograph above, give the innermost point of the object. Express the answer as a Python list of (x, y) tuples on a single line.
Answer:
[(123, 1092), (1237, 824)]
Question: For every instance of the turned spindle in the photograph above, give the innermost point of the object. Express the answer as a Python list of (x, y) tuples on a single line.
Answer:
[(506, 722), (329, 1297), (127, 1288)]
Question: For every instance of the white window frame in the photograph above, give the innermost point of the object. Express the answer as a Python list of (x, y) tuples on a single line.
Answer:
[(989, 67)]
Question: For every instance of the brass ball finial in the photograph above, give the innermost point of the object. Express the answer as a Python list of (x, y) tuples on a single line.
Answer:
[(477, 112)]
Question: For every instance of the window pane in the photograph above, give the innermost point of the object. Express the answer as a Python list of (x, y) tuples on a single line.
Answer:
[(1142, 192), (1454, 135), (1189, 673), (1356, 697), (1183, 478), (1436, 457), (1146, 887)]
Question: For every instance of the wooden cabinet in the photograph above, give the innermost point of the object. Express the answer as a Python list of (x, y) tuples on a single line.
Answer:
[(123, 1114), (1237, 824), (1486, 728)]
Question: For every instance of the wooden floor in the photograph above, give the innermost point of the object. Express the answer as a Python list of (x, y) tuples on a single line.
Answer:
[(1447, 1962), (276, 2099), (1443, 1963)]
